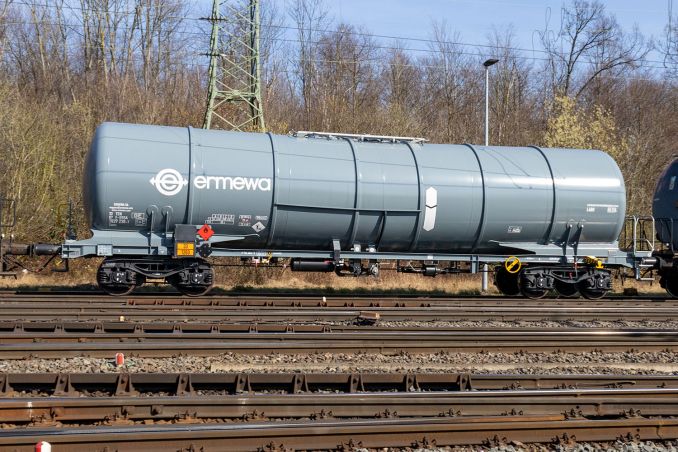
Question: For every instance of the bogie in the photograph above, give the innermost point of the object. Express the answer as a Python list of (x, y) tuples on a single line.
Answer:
[(120, 276), (535, 282), (116, 279), (595, 285), (567, 281)]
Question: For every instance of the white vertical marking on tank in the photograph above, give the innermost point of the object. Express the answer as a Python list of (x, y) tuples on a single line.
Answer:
[(431, 207)]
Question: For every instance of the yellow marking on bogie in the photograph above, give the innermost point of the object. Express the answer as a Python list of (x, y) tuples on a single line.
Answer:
[(593, 262), (512, 264)]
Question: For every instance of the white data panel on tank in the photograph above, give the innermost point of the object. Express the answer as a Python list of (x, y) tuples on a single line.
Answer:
[(431, 207)]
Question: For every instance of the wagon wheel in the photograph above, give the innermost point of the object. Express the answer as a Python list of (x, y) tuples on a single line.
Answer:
[(567, 290), (670, 283), (590, 293), (507, 283), (192, 291), (534, 294), (117, 289)]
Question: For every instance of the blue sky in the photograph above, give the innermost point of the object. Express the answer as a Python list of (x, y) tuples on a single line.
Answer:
[(473, 19)]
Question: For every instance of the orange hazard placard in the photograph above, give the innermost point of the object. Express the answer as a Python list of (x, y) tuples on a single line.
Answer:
[(206, 232), (185, 249)]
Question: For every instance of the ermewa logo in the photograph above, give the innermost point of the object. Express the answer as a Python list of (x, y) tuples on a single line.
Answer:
[(169, 182)]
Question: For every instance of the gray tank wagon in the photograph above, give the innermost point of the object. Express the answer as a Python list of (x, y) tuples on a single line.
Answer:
[(162, 199)]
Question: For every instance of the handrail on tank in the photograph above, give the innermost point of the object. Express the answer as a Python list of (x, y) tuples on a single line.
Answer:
[(358, 136), (640, 235)]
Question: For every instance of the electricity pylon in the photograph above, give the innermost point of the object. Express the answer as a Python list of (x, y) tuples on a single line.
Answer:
[(234, 96)]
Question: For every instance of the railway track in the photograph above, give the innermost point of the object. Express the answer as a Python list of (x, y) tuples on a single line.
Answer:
[(84, 331), (180, 384), (193, 411), (334, 309), (244, 411), (568, 403), (320, 299), (143, 342), (288, 294), (343, 435)]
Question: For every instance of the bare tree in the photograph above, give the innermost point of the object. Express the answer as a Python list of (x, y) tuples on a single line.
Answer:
[(402, 91), (451, 84), (347, 76), (590, 43), (276, 95), (4, 13), (511, 101), (311, 18)]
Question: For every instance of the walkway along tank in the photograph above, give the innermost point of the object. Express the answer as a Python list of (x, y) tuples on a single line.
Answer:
[(162, 199)]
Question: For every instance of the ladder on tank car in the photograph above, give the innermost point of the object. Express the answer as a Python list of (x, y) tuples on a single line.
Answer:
[(638, 239)]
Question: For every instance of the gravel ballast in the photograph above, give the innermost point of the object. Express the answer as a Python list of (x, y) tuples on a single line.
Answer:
[(631, 363)]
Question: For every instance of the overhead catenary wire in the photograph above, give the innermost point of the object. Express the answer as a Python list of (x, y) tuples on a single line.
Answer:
[(643, 64), (639, 65), (364, 34)]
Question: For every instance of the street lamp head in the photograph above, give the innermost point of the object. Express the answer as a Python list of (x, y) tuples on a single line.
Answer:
[(490, 62)]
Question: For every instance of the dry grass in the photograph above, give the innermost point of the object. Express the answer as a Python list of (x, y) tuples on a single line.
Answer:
[(82, 275), (388, 281), (643, 287), (241, 278)]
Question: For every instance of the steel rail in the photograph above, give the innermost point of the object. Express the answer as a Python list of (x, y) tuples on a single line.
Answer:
[(263, 295), (21, 331), (420, 432), (325, 300), (580, 403), (333, 309), (340, 333), (53, 345), (68, 311), (60, 332)]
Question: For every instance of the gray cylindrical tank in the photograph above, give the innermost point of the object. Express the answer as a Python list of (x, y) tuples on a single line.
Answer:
[(285, 192), (665, 205)]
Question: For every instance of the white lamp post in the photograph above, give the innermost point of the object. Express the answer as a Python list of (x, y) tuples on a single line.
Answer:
[(487, 64)]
